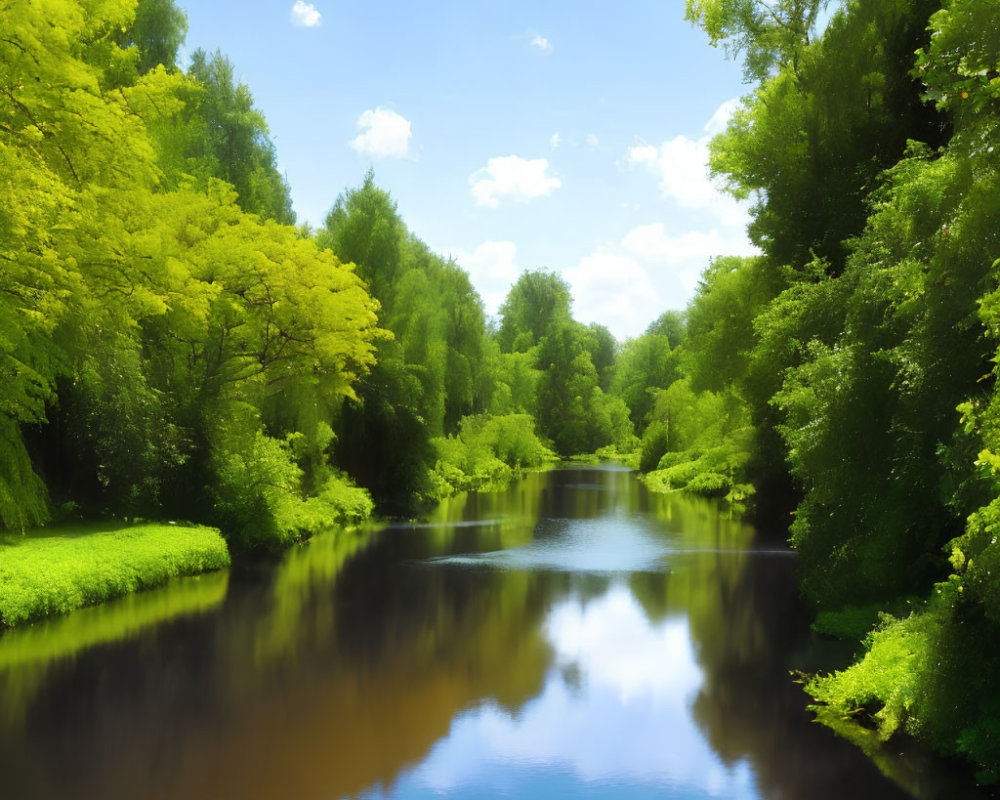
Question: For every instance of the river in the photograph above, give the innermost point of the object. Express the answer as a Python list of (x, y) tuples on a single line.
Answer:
[(574, 636)]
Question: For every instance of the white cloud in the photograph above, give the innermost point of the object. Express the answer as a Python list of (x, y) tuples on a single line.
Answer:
[(492, 267), (614, 289), (684, 256), (613, 643), (592, 140), (386, 134), (512, 176), (681, 164), (627, 284), (555, 140), (305, 15), (721, 117), (542, 44)]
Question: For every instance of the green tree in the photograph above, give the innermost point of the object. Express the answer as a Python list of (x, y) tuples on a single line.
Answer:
[(769, 35), (157, 32), (673, 325), (536, 303), (224, 130), (644, 365)]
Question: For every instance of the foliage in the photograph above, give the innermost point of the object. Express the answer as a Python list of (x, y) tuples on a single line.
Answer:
[(536, 304), (429, 374), (654, 445), (838, 112), (572, 410), (62, 568), (871, 317), (157, 32), (223, 128), (644, 365), (768, 34), (487, 453), (626, 454), (928, 674), (144, 316), (673, 325)]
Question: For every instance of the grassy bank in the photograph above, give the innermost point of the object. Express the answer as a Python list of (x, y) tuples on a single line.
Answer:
[(57, 569)]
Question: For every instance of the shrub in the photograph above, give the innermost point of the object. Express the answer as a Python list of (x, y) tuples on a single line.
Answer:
[(931, 674), (486, 454), (654, 445)]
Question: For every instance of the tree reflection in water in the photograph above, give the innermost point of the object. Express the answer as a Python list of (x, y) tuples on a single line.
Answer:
[(574, 635)]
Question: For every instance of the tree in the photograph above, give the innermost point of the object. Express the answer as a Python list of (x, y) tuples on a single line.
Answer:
[(572, 410), (536, 303), (673, 325), (158, 31), (71, 149), (603, 349), (645, 365), (230, 134), (769, 35), (835, 118)]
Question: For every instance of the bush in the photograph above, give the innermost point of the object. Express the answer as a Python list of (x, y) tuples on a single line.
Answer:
[(654, 445), (930, 674), (487, 453), (709, 484), (257, 493)]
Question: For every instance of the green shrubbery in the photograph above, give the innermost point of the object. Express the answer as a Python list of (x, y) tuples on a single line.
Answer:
[(699, 442), (627, 454), (486, 454), (930, 674), (66, 567), (258, 493)]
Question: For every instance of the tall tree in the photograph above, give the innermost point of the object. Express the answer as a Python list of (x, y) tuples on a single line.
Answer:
[(536, 303), (230, 135)]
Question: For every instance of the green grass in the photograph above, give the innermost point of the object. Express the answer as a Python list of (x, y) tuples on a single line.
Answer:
[(55, 570)]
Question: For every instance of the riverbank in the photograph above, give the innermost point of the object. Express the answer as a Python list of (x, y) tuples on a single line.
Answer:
[(64, 567)]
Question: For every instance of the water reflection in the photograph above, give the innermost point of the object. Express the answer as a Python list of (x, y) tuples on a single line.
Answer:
[(574, 636), (613, 717)]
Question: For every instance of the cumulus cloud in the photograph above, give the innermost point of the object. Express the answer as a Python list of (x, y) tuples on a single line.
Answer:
[(614, 289), (625, 283), (492, 267), (514, 177), (628, 283), (305, 15), (592, 140), (681, 164), (555, 140), (385, 134), (540, 43), (718, 121)]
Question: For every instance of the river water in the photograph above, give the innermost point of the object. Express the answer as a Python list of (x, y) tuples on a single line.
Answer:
[(575, 636)]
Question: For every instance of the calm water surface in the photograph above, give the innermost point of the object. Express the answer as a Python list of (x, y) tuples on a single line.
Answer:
[(575, 636)]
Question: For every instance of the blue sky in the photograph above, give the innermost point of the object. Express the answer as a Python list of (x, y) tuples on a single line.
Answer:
[(513, 135)]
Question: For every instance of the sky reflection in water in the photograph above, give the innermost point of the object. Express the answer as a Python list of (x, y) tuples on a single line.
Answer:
[(613, 717), (575, 636)]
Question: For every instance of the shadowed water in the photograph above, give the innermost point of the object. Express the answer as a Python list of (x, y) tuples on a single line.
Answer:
[(574, 636)]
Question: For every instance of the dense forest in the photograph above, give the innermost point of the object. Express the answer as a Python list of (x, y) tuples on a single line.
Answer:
[(172, 346)]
